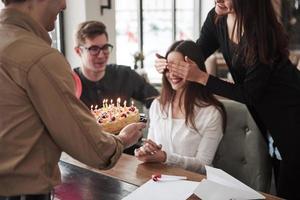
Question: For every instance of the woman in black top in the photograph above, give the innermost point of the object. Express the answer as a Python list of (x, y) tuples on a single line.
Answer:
[(254, 46)]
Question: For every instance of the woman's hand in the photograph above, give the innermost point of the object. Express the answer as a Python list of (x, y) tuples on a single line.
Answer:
[(160, 63), (149, 147), (158, 156), (188, 70), (150, 152)]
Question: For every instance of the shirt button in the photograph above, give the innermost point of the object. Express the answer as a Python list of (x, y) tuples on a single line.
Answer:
[(247, 129)]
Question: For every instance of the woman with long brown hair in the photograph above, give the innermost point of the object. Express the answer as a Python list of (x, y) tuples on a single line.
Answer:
[(255, 49), (186, 120)]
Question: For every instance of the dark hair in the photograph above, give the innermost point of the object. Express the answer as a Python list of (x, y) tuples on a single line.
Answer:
[(7, 2), (195, 93), (264, 38), (89, 29)]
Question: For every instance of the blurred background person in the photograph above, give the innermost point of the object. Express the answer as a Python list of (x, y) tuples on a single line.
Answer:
[(106, 81)]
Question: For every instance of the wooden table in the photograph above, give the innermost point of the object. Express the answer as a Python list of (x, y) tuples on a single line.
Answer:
[(130, 171)]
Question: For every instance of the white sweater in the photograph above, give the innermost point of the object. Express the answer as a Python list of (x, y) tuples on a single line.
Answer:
[(184, 146)]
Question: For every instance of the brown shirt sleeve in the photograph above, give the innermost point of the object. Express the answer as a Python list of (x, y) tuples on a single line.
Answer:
[(69, 122)]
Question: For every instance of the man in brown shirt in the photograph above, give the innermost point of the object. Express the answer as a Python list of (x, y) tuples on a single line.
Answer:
[(40, 115)]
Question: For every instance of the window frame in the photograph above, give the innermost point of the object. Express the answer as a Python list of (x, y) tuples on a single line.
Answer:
[(140, 25)]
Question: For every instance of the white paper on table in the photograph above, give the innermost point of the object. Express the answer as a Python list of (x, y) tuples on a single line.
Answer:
[(163, 190), (222, 186)]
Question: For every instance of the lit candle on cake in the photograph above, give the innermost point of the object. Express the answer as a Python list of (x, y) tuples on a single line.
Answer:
[(124, 105), (118, 102), (132, 103), (103, 103), (106, 103)]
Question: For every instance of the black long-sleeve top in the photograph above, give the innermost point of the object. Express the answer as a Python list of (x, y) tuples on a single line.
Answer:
[(271, 92), (118, 81)]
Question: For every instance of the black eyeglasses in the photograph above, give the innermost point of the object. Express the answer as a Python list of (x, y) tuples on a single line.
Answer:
[(94, 50)]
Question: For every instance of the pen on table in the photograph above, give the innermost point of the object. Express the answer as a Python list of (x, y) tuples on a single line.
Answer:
[(161, 177)]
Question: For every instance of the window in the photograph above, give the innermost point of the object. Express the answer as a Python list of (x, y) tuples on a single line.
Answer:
[(57, 34), (127, 37), (151, 27)]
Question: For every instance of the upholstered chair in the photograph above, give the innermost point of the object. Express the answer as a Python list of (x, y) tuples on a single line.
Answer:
[(242, 152)]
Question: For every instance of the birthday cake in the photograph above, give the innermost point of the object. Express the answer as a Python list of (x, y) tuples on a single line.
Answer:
[(113, 118)]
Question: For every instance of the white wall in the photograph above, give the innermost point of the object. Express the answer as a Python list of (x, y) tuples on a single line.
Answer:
[(82, 10), (206, 6)]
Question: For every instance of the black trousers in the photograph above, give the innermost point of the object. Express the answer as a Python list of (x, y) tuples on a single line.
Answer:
[(276, 168), (289, 180), (28, 197)]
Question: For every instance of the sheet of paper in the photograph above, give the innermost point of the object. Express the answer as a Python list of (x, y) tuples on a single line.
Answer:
[(164, 190), (219, 176), (222, 186), (210, 190)]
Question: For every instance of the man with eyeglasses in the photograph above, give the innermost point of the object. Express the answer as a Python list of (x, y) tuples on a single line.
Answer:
[(40, 114), (106, 81)]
